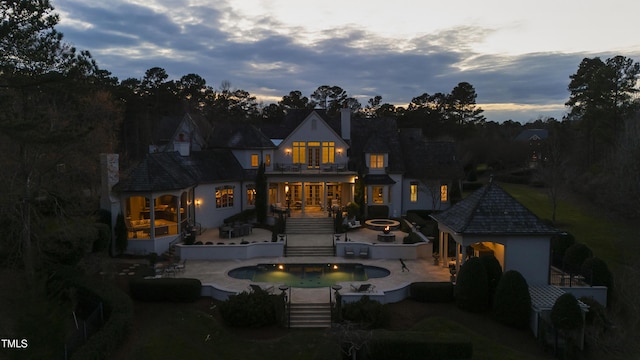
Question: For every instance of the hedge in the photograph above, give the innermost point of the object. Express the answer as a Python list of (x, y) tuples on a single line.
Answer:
[(255, 309), (165, 289), (409, 345), (369, 313), (118, 312), (432, 292)]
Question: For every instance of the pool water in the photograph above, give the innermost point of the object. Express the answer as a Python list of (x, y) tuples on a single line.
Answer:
[(308, 275)]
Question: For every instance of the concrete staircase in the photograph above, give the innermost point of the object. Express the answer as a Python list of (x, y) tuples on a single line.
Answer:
[(309, 251), (310, 225), (318, 227), (310, 315)]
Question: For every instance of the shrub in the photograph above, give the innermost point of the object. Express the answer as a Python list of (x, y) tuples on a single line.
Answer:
[(512, 304), (165, 289), (103, 239), (566, 314), (472, 287), (432, 292), (597, 273), (494, 273), (118, 312), (353, 210), (412, 238), (575, 255), (120, 230), (367, 312), (559, 245), (409, 345), (255, 309)]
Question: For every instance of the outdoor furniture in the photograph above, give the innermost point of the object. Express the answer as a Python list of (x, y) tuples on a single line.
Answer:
[(364, 252), (354, 224), (181, 266), (362, 288), (348, 252)]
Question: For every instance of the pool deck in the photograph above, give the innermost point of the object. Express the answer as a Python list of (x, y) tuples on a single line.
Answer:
[(215, 272)]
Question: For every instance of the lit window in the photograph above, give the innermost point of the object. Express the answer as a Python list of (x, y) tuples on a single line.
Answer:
[(328, 152), (267, 159), (378, 195), (413, 197), (254, 160), (376, 161), (224, 196), (251, 195), (444, 193), (299, 150)]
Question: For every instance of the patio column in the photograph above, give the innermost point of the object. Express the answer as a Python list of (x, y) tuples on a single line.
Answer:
[(445, 252), (152, 219), (304, 199), (324, 194)]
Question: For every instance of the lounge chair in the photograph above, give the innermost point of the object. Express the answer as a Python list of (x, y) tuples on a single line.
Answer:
[(348, 252), (257, 288), (364, 252), (362, 288)]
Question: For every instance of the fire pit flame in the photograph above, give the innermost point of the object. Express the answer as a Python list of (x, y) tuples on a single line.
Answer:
[(386, 229)]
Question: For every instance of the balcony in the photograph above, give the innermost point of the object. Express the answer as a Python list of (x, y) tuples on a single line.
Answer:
[(329, 168)]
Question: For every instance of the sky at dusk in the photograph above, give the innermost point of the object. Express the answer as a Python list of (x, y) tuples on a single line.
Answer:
[(517, 55)]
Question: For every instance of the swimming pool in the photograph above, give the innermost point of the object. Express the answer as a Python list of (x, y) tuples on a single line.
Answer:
[(308, 275)]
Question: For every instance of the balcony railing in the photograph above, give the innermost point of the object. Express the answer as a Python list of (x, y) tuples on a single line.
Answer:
[(304, 168)]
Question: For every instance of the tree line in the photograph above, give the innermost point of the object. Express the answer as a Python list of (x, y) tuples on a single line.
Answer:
[(60, 110)]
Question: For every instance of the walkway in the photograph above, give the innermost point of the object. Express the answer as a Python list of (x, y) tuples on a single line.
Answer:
[(215, 272)]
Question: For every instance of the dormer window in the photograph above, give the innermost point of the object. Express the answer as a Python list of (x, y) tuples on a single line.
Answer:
[(376, 161), (255, 160)]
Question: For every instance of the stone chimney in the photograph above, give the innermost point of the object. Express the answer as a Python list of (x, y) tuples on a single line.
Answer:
[(345, 123), (110, 175)]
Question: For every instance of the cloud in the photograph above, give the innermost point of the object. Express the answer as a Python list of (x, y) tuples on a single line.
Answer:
[(269, 58)]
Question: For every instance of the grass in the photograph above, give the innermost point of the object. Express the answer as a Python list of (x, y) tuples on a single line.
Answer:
[(195, 331), (609, 238)]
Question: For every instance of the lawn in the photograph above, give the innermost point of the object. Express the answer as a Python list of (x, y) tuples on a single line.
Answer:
[(195, 331), (611, 238)]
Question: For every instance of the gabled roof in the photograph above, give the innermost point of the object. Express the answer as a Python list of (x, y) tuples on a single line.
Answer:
[(238, 135), (158, 172), (215, 165), (532, 134), (425, 159), (293, 119), (543, 297), (492, 211), (378, 135)]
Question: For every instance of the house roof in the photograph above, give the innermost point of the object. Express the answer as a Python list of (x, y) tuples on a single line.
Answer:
[(425, 159), (492, 211), (532, 134), (543, 297), (293, 119), (378, 179), (378, 135), (215, 165), (238, 135), (158, 172)]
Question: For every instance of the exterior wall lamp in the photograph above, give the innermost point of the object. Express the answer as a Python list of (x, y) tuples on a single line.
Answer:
[(198, 202)]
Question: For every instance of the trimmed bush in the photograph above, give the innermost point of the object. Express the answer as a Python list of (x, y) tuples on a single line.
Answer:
[(512, 303), (432, 292), (412, 238), (409, 345), (165, 289), (494, 273), (597, 273), (367, 312), (559, 245), (118, 312), (566, 314), (472, 287), (255, 309), (575, 255)]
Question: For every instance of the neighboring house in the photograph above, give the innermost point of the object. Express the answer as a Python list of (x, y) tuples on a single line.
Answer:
[(312, 164), (535, 138)]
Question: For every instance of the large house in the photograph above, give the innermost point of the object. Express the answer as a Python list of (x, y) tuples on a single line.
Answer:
[(201, 173)]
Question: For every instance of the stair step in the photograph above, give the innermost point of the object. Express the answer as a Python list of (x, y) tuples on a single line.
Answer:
[(309, 251), (310, 315)]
